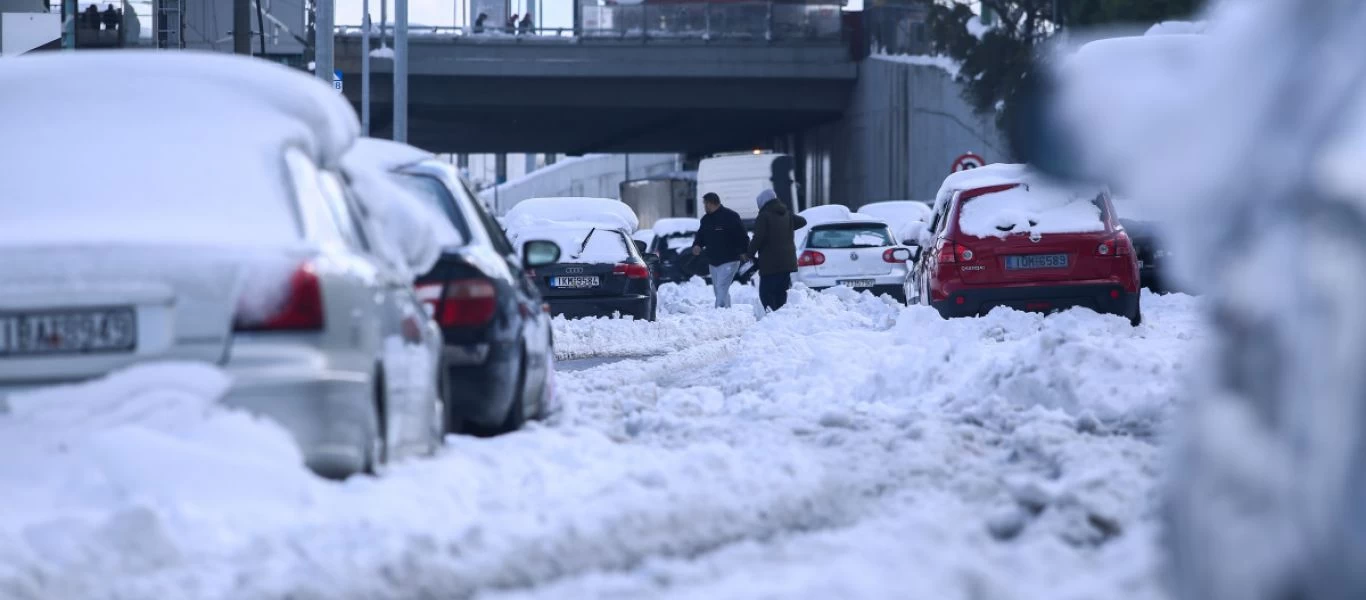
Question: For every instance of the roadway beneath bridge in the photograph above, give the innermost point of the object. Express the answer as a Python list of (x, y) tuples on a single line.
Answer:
[(567, 96)]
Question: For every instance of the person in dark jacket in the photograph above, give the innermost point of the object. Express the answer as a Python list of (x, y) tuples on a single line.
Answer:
[(722, 236), (111, 18), (775, 250)]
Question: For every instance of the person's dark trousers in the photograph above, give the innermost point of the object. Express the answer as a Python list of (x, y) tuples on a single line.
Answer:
[(773, 290)]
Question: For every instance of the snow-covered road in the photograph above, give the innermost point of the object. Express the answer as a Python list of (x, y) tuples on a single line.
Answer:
[(843, 447)]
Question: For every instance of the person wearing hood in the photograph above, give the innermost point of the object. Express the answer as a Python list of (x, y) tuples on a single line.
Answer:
[(774, 249)]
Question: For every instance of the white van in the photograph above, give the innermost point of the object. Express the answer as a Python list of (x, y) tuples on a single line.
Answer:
[(739, 178)]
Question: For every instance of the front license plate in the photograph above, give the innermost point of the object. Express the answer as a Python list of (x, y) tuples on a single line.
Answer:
[(574, 282), (68, 332), (857, 283), (1036, 261)]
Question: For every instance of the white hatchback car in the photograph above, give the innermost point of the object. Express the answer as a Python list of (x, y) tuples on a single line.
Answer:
[(857, 253), (214, 228)]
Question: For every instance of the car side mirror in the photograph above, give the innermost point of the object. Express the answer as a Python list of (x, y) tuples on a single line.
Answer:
[(641, 247), (539, 253), (901, 254)]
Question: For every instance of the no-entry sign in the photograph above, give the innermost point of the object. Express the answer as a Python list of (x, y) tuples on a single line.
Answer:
[(968, 161)]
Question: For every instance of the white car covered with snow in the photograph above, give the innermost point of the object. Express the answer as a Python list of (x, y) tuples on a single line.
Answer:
[(231, 241), (838, 247)]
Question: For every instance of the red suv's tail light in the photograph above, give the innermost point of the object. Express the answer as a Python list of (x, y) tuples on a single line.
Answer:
[(300, 310), (952, 252), (461, 302), (1115, 246), (810, 258), (632, 270)]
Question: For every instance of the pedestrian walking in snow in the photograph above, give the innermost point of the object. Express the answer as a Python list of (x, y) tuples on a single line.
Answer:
[(722, 237), (775, 252)]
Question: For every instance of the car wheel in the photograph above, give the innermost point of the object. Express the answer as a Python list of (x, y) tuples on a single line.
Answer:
[(1136, 319), (516, 416), (654, 308)]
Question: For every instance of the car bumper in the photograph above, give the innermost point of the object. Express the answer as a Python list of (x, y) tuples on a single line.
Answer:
[(481, 391), (329, 412), (573, 308), (1104, 298), (893, 285)]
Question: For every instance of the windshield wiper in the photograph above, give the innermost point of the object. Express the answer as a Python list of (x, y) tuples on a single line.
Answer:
[(584, 245)]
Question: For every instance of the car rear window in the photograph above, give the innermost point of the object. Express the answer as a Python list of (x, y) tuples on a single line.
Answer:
[(850, 235), (679, 242), (435, 194), (604, 246), (1035, 209)]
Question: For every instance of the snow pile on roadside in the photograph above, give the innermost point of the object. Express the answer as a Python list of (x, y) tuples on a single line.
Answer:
[(944, 63)]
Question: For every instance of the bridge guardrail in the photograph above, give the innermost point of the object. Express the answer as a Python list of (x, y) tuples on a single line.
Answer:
[(703, 21)]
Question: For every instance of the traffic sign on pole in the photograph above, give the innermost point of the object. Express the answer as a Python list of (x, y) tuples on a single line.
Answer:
[(967, 161), (337, 80)]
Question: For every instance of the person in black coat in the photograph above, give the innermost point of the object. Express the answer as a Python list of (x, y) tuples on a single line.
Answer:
[(775, 249), (722, 236)]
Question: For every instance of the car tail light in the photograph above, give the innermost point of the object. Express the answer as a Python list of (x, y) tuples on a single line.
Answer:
[(887, 256), (460, 302), (1115, 246), (952, 252), (632, 270), (810, 258), (300, 310)]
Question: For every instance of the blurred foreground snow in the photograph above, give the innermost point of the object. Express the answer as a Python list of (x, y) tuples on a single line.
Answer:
[(842, 447)]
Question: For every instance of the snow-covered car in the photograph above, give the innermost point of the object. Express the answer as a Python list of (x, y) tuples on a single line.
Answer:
[(229, 240), (671, 242), (857, 252), (602, 270), (497, 362), (1004, 236), (906, 217)]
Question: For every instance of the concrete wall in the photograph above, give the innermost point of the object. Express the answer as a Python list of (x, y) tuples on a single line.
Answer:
[(905, 125), (597, 175)]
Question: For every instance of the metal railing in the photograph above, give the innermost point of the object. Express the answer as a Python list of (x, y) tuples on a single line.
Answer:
[(897, 29), (755, 21)]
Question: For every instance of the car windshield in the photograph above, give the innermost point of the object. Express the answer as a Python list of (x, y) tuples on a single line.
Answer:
[(851, 235), (1035, 208), (435, 194)]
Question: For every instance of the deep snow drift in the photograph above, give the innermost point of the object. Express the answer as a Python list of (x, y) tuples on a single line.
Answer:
[(842, 447)]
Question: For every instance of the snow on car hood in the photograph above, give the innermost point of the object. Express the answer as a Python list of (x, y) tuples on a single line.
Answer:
[(413, 232), (1036, 209), (604, 212)]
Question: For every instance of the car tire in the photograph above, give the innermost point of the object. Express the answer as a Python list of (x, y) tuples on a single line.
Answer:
[(516, 415), (1136, 319), (654, 308)]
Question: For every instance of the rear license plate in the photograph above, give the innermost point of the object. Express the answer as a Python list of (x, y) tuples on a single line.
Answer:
[(68, 332), (856, 283), (1036, 261), (574, 282)]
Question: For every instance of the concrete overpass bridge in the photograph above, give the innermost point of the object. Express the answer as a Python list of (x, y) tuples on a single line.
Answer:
[(606, 94)]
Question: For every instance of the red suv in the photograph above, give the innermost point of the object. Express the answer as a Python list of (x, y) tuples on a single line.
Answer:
[(1028, 246)]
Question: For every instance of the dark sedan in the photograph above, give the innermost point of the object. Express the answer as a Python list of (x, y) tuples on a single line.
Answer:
[(602, 273), (498, 359)]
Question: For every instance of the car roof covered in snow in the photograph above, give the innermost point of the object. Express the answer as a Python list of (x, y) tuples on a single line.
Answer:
[(602, 212), (985, 176), (676, 226), (898, 210), (161, 126)]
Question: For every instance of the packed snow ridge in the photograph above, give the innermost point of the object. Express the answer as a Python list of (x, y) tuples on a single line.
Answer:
[(844, 446)]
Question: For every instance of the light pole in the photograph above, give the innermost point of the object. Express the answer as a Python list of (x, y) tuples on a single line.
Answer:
[(365, 69), (324, 33), (400, 70)]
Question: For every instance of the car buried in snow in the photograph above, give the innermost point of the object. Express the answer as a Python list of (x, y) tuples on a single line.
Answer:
[(248, 253), (670, 243), (602, 271), (497, 360), (1004, 236)]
